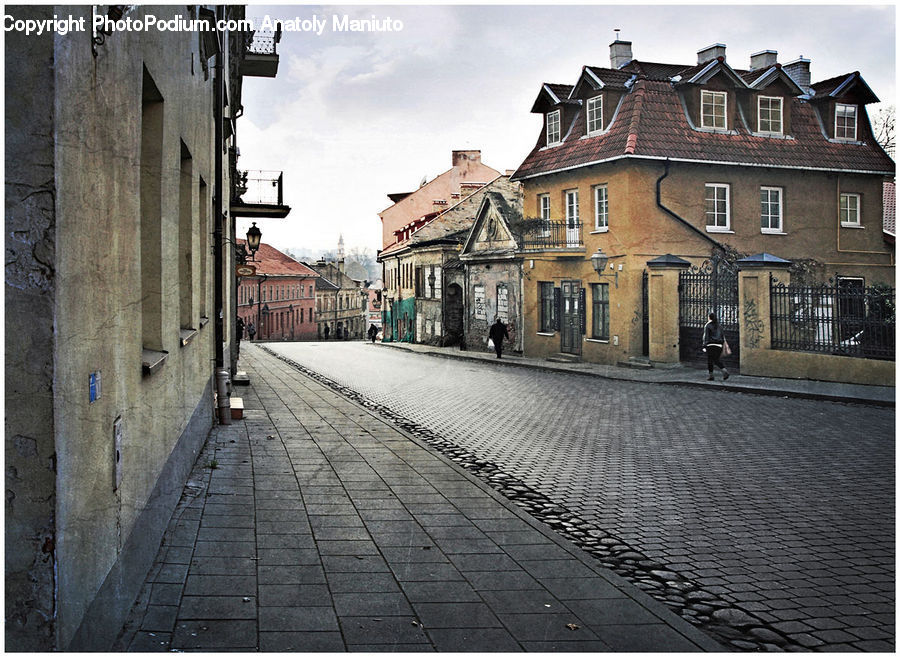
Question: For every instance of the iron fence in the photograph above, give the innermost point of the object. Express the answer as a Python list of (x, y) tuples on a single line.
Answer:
[(843, 319), (260, 187), (553, 235), (262, 42)]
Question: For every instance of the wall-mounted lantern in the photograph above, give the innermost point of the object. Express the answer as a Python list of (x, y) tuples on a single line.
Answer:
[(599, 261), (254, 235)]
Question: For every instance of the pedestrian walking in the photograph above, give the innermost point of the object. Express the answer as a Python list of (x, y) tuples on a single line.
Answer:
[(713, 343), (327, 331), (251, 331), (239, 326), (496, 334), (373, 332)]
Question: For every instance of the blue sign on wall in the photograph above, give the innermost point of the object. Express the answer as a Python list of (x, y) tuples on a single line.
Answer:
[(94, 386)]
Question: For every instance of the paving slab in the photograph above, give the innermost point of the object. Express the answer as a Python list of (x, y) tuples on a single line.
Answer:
[(343, 533)]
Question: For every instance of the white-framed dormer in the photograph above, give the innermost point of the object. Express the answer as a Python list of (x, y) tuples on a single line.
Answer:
[(594, 115), (713, 109), (845, 121), (770, 115), (554, 127)]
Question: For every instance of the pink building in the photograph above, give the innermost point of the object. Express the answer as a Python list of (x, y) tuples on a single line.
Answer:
[(280, 300)]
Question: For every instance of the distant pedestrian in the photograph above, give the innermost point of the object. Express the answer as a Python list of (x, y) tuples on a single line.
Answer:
[(251, 331), (327, 331), (713, 343), (496, 334), (373, 332), (240, 328)]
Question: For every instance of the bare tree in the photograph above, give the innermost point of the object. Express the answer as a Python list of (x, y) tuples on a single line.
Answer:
[(883, 127)]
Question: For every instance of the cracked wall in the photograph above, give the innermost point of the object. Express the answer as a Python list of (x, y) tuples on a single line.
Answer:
[(30, 293)]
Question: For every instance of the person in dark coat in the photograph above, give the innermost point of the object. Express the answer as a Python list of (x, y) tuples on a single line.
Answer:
[(373, 332), (251, 331), (713, 343), (496, 334)]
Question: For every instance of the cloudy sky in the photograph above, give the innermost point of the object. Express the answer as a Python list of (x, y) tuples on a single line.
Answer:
[(354, 116)]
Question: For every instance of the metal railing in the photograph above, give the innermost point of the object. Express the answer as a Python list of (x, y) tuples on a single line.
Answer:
[(845, 320), (259, 187), (263, 42), (553, 235)]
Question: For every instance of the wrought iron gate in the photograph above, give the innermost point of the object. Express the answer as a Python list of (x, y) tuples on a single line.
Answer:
[(711, 287)]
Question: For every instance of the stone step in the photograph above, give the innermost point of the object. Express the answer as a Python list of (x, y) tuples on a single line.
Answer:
[(241, 379), (636, 362), (564, 358)]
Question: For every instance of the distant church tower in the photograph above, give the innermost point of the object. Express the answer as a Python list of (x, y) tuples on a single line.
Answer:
[(340, 250)]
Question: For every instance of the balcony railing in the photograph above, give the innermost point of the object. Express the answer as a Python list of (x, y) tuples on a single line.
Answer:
[(259, 194), (552, 235), (263, 43), (261, 54)]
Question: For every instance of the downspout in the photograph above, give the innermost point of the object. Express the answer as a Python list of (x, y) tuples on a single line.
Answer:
[(680, 219), (223, 402)]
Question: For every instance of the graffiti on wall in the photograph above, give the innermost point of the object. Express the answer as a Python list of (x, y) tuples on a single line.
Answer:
[(753, 326)]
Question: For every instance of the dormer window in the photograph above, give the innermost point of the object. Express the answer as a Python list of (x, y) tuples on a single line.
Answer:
[(845, 122), (594, 115), (553, 131), (770, 115), (713, 105)]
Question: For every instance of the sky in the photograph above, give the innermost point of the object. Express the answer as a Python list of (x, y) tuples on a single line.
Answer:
[(354, 116)]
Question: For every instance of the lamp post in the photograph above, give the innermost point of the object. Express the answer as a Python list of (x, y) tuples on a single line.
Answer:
[(599, 261), (254, 235)]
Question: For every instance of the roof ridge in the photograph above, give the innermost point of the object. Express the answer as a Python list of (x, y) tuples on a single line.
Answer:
[(634, 126)]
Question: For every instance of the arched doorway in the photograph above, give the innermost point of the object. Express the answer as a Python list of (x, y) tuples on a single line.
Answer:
[(453, 307)]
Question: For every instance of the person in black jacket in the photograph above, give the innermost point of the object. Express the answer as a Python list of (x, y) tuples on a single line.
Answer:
[(713, 342), (496, 334)]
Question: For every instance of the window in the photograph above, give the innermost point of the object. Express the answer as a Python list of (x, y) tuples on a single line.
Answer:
[(845, 122), (850, 210), (601, 208), (544, 208), (717, 207), (770, 209), (571, 207), (600, 314), (553, 132), (595, 115), (770, 115), (712, 109), (548, 307)]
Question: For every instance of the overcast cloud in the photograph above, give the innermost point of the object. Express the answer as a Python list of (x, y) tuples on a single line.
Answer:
[(352, 117)]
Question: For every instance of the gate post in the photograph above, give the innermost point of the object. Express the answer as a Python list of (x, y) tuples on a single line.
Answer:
[(662, 307), (755, 308)]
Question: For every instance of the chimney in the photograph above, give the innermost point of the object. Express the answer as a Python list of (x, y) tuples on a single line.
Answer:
[(799, 72), (763, 59), (710, 53), (341, 265), (460, 158), (619, 53)]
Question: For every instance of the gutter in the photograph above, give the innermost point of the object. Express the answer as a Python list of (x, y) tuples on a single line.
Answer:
[(218, 247), (677, 217)]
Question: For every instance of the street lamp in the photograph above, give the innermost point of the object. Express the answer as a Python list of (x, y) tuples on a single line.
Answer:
[(599, 261), (254, 235)]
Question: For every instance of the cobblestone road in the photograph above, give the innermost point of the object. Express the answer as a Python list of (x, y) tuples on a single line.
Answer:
[(783, 508)]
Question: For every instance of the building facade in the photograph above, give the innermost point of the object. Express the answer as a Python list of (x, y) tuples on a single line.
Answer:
[(118, 309), (280, 299), (703, 162), (341, 303)]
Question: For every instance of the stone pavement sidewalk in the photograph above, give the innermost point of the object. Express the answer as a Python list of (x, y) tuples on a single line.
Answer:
[(313, 525), (681, 376)]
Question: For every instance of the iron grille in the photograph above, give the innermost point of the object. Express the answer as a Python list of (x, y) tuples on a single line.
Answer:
[(553, 235), (841, 319)]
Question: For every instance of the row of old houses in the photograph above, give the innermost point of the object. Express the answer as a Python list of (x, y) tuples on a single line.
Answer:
[(284, 299), (640, 167), (123, 188)]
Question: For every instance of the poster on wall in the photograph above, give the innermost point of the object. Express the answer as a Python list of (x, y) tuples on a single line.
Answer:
[(480, 312), (503, 302)]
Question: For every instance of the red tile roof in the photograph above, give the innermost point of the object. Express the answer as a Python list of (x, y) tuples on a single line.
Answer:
[(272, 262), (651, 123)]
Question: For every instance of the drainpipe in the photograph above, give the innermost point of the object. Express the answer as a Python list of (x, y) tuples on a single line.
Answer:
[(677, 217), (224, 403)]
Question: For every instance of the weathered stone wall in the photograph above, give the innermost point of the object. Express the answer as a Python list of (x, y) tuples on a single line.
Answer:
[(31, 280), (488, 277)]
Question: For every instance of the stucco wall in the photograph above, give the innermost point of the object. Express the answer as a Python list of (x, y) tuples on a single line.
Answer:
[(31, 280), (489, 276), (97, 105)]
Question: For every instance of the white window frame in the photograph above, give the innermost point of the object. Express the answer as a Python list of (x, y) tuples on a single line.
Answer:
[(594, 114), (779, 229), (846, 136), (571, 206), (759, 118), (708, 98), (601, 207), (848, 223), (714, 227), (557, 115), (544, 211)]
